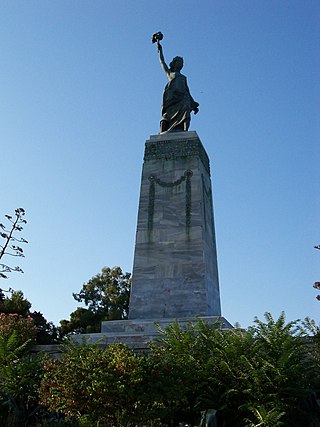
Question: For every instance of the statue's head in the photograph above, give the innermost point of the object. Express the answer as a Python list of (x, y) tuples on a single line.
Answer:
[(176, 64)]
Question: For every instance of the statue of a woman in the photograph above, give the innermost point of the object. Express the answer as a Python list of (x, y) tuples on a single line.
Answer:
[(177, 102)]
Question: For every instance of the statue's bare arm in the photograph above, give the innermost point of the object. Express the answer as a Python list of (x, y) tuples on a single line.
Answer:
[(162, 61)]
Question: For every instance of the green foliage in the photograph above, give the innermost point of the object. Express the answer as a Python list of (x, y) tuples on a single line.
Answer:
[(47, 332), (106, 297), (265, 376), (19, 373), (92, 384), (266, 370), (81, 321), (265, 417), (17, 304), (19, 387), (107, 292), (23, 329), (209, 367)]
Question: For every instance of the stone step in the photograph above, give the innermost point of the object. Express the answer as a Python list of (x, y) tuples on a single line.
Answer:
[(138, 333), (134, 341), (146, 326)]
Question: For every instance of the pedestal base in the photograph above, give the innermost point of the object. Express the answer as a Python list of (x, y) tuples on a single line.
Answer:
[(137, 334), (175, 271)]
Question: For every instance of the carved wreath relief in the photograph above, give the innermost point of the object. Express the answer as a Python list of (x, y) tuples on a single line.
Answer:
[(154, 180)]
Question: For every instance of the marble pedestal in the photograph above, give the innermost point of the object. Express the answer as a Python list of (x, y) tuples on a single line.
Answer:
[(175, 272)]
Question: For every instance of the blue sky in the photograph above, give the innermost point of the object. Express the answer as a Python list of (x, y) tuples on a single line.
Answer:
[(81, 89)]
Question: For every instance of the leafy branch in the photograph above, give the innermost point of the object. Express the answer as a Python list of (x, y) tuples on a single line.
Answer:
[(10, 245), (2, 295)]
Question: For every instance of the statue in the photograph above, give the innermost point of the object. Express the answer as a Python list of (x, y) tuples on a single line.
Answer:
[(177, 102)]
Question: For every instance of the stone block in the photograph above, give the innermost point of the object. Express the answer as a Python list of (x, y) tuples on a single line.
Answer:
[(175, 272)]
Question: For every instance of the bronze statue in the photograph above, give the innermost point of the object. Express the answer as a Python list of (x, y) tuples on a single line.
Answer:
[(177, 102)]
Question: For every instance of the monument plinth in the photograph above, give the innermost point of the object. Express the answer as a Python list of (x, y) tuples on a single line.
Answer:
[(175, 273)]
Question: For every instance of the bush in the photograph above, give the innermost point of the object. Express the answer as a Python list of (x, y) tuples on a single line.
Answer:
[(267, 375), (92, 384), (15, 323), (19, 373)]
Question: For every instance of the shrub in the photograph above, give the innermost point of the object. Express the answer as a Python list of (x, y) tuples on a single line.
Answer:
[(265, 375), (19, 373), (92, 384), (15, 323)]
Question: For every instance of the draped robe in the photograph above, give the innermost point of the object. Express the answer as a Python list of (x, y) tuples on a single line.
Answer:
[(177, 102)]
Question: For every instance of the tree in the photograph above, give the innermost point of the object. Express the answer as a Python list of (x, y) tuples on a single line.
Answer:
[(106, 297), (9, 244), (17, 304), (81, 321), (47, 332)]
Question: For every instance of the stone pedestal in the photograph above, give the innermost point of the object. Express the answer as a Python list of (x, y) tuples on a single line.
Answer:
[(175, 273)]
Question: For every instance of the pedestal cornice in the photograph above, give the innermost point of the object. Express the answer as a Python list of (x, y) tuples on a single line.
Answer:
[(173, 145)]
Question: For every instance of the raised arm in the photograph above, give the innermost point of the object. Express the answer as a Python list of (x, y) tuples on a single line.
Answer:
[(162, 61)]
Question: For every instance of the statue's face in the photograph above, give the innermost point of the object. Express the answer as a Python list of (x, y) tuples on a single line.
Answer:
[(176, 64)]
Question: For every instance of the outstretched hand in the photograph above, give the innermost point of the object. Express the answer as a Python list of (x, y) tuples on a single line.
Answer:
[(196, 110)]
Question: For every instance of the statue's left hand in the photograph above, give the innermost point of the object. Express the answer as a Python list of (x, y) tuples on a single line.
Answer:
[(196, 110)]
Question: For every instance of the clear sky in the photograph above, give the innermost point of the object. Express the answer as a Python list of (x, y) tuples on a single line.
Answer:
[(81, 89)]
